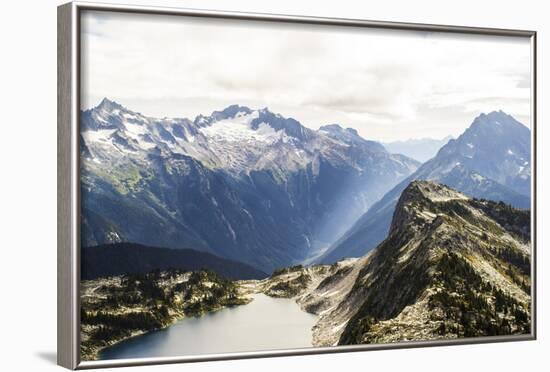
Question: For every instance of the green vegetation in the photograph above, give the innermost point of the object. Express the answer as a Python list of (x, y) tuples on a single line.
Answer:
[(514, 257), (455, 208), (388, 292), (463, 304), (289, 288), (471, 306), (515, 221), (286, 270), (130, 179)]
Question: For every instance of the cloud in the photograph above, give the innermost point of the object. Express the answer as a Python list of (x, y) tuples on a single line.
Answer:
[(386, 84), (523, 81)]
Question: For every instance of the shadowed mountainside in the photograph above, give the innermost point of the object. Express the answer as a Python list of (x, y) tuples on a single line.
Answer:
[(125, 258)]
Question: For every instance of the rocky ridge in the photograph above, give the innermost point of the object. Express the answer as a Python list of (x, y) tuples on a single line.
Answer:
[(451, 267)]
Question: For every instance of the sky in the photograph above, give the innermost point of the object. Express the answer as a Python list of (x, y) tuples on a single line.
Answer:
[(387, 84)]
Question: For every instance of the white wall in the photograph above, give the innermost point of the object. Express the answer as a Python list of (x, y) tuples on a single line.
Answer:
[(28, 182)]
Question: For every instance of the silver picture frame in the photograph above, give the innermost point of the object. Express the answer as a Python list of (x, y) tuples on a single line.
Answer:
[(68, 189)]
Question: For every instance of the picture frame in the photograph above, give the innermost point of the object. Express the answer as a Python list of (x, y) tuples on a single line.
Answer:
[(69, 198)]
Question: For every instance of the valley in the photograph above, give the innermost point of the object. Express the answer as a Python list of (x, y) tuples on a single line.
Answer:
[(490, 160), (230, 184), (451, 267)]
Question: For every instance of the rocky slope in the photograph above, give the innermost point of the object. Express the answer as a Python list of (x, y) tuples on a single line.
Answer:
[(490, 160), (232, 183), (451, 267)]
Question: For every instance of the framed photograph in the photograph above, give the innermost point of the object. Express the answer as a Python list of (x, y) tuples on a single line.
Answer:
[(235, 185)]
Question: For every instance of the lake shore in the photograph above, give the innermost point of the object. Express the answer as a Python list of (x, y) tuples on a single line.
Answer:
[(266, 323), (93, 354), (116, 309), (288, 290)]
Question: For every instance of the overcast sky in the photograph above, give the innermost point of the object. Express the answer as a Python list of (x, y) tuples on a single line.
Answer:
[(389, 85)]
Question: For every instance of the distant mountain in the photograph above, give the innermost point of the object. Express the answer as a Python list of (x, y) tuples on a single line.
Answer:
[(422, 149), (130, 258), (451, 267), (248, 185), (490, 160), (350, 136)]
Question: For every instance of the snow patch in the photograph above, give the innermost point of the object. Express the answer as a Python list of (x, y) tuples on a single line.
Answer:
[(239, 129), (136, 132), (127, 115), (214, 201), (100, 119), (134, 129), (307, 241), (188, 135), (477, 177), (101, 135), (247, 213)]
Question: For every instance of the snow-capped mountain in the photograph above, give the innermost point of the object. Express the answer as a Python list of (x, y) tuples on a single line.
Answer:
[(490, 160), (245, 184)]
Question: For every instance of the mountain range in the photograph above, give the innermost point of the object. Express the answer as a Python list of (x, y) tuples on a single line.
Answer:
[(421, 149), (490, 160), (246, 185), (256, 187)]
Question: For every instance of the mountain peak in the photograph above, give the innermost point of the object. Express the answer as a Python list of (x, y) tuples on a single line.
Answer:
[(488, 161), (417, 200), (420, 191), (232, 110), (292, 127), (350, 136), (108, 105), (432, 191), (491, 136), (331, 128), (337, 128), (264, 110), (497, 118), (229, 112)]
